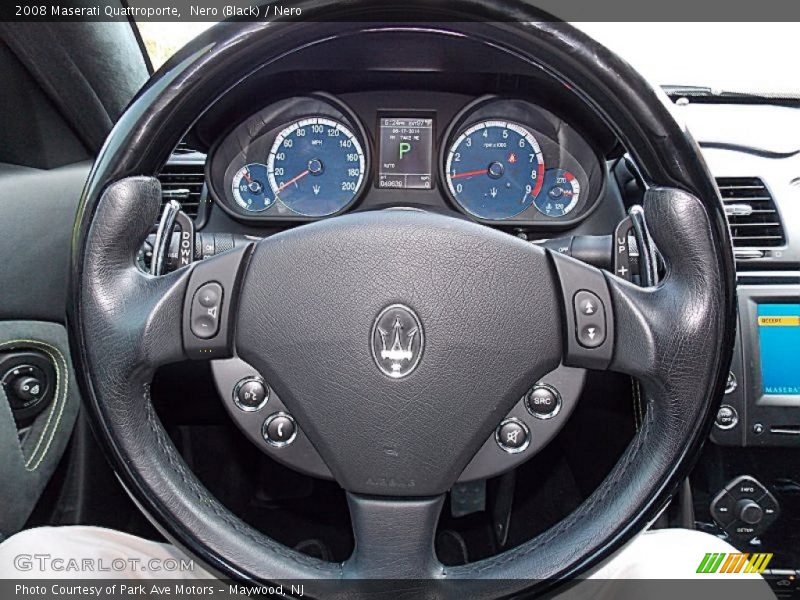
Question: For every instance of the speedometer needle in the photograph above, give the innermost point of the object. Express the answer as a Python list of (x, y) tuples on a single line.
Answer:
[(470, 173), (293, 180)]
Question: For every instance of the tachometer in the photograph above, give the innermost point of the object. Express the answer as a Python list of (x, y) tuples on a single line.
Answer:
[(316, 167), (249, 188), (560, 193), (495, 170)]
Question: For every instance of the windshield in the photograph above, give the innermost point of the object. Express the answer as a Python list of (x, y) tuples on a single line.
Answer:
[(738, 57)]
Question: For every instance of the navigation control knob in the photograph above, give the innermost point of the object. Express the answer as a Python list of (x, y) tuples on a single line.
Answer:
[(749, 511)]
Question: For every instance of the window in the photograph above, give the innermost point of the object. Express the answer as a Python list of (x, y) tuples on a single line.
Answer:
[(162, 40)]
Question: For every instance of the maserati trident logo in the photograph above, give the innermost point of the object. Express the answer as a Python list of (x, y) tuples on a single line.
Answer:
[(397, 341)]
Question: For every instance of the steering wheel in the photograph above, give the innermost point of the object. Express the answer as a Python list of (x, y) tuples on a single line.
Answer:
[(300, 307)]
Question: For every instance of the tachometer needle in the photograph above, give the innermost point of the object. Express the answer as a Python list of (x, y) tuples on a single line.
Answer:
[(469, 173), (293, 180)]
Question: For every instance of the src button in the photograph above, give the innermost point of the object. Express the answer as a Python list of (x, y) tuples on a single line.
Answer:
[(206, 306), (590, 319), (543, 401)]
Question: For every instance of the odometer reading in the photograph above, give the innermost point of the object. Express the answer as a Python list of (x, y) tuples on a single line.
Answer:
[(316, 167), (495, 170)]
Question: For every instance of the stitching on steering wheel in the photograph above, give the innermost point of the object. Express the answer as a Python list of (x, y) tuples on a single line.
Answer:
[(167, 449), (570, 521)]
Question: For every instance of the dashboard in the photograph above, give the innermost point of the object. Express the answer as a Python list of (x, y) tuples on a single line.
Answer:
[(496, 159), (486, 138)]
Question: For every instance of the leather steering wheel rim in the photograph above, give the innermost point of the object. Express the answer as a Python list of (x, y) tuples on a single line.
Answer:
[(124, 324)]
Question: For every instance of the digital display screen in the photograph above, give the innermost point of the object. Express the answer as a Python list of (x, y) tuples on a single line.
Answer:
[(406, 153), (779, 338)]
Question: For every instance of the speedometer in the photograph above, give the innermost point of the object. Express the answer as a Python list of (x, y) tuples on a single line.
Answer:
[(495, 169), (316, 167)]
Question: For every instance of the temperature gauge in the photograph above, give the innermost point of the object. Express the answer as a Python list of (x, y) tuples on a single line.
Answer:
[(250, 188), (560, 193)]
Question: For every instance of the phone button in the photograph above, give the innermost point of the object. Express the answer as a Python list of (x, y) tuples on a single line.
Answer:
[(279, 429)]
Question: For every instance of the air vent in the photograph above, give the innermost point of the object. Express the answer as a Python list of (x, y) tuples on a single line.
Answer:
[(184, 182), (183, 148), (752, 216)]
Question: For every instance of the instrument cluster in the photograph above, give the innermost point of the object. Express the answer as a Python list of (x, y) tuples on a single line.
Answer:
[(497, 160)]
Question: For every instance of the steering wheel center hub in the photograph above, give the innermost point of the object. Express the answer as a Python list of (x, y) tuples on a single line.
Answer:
[(430, 300)]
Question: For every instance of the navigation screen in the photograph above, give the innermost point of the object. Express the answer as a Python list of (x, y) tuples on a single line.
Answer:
[(406, 153), (779, 336)]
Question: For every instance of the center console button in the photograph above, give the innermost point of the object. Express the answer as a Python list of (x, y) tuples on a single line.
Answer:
[(279, 429), (722, 508), (770, 507), (749, 512), (745, 488), (250, 394), (543, 401), (512, 436), (727, 417)]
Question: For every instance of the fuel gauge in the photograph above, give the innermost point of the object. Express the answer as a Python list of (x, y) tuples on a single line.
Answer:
[(560, 193), (250, 188)]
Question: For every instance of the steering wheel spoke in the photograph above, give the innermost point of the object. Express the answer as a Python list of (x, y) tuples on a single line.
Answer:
[(394, 537), (210, 303), (136, 317), (589, 331)]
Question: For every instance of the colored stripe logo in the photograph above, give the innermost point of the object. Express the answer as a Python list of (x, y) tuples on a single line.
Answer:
[(721, 562)]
